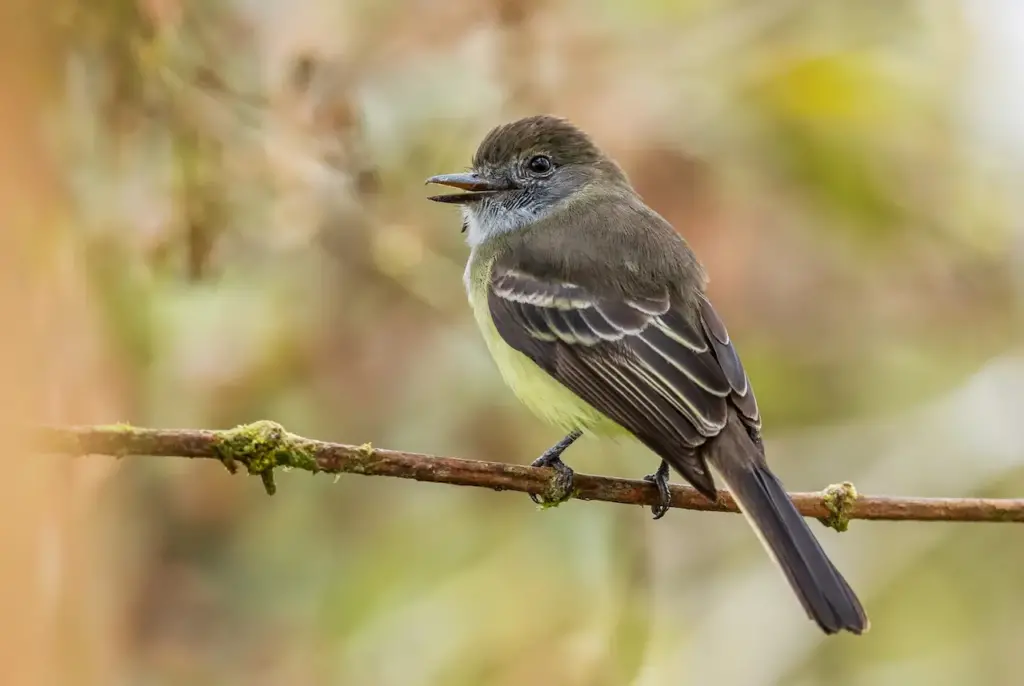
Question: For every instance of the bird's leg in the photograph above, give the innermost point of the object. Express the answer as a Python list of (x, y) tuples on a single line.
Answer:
[(660, 479), (560, 488)]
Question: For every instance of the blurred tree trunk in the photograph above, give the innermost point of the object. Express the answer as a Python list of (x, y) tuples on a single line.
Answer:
[(53, 630)]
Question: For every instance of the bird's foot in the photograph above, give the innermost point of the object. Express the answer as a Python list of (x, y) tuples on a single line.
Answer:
[(660, 479), (560, 488)]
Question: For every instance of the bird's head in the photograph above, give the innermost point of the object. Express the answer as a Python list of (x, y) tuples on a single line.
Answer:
[(522, 171)]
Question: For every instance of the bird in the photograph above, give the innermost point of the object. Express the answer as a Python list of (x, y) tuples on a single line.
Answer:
[(595, 310)]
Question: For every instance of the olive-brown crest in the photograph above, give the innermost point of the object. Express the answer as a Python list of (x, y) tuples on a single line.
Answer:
[(541, 134)]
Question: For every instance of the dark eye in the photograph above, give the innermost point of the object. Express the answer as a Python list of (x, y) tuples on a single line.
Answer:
[(539, 165)]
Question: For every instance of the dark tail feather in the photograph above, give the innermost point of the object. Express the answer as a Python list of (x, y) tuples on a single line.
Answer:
[(822, 590)]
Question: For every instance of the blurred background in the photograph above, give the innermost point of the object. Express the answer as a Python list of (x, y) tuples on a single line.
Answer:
[(214, 213)]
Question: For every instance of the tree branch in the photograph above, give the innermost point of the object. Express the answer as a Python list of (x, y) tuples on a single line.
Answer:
[(262, 446)]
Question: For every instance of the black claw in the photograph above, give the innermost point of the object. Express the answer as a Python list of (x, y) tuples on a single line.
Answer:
[(660, 479), (561, 486)]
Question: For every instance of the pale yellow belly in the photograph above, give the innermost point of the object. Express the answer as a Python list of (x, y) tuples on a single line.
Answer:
[(535, 388)]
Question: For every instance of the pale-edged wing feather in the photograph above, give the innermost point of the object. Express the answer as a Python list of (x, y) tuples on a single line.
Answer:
[(742, 395), (641, 361)]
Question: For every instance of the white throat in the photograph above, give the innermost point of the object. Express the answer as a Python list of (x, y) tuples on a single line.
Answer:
[(486, 220)]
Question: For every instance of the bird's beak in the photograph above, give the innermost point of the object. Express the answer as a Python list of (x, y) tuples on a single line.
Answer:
[(476, 187)]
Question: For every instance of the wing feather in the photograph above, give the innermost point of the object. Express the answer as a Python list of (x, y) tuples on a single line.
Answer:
[(742, 395), (601, 327), (622, 316), (700, 367)]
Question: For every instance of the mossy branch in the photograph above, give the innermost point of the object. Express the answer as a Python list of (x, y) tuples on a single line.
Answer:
[(263, 446)]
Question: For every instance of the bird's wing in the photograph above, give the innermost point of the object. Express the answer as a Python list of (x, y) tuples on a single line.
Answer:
[(666, 377)]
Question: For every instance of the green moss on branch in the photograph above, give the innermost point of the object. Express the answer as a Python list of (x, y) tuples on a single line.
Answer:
[(839, 500), (261, 447)]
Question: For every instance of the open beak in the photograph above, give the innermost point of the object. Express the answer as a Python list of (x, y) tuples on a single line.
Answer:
[(476, 187)]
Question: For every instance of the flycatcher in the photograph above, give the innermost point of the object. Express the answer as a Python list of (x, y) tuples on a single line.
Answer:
[(594, 309)]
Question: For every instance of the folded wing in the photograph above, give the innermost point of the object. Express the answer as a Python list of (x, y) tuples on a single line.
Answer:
[(663, 370)]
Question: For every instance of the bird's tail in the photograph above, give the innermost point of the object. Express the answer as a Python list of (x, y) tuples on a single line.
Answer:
[(822, 590)]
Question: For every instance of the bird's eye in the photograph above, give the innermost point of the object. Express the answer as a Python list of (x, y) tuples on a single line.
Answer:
[(539, 165)]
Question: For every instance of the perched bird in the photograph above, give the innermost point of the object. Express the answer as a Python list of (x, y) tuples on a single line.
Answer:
[(594, 309)]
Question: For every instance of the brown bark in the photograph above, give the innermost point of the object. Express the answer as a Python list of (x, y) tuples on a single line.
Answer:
[(265, 445)]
